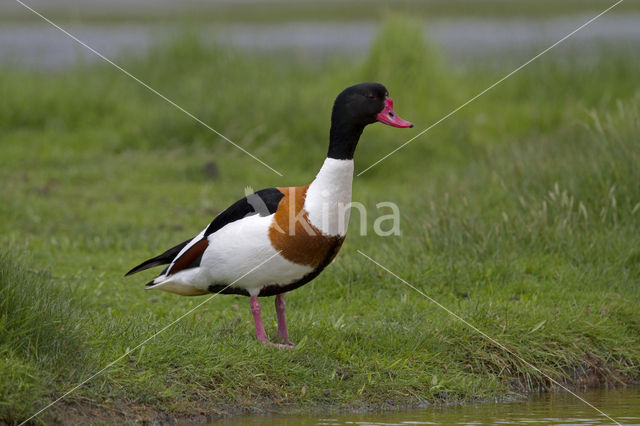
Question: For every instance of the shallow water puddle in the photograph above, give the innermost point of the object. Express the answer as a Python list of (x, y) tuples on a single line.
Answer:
[(563, 409)]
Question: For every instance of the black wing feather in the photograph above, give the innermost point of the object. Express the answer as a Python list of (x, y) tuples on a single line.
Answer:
[(162, 259), (263, 203)]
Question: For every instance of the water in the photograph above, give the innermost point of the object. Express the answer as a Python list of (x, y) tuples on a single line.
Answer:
[(38, 45), (623, 405)]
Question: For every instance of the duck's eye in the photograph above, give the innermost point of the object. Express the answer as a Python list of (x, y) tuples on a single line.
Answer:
[(370, 96)]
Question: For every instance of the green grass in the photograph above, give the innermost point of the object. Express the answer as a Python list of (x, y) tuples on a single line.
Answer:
[(287, 10), (520, 213), (40, 325)]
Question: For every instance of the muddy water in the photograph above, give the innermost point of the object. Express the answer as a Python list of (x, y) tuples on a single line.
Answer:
[(623, 405)]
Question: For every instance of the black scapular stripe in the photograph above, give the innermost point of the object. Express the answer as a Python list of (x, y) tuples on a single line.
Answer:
[(263, 203)]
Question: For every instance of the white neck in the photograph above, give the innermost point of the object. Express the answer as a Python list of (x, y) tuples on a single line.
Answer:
[(329, 197)]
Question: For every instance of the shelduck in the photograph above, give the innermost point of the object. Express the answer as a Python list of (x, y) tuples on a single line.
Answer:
[(278, 239)]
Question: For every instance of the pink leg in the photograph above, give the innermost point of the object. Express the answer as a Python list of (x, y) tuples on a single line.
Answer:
[(261, 335), (283, 333)]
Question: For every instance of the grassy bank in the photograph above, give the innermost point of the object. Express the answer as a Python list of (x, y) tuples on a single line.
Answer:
[(258, 12), (520, 213)]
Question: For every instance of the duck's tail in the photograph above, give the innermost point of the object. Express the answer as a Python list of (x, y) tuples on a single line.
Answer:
[(162, 259)]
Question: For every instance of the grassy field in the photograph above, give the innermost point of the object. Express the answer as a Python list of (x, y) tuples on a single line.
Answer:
[(220, 12), (520, 213)]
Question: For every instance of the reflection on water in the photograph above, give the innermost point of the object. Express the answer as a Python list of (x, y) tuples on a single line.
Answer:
[(563, 409)]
